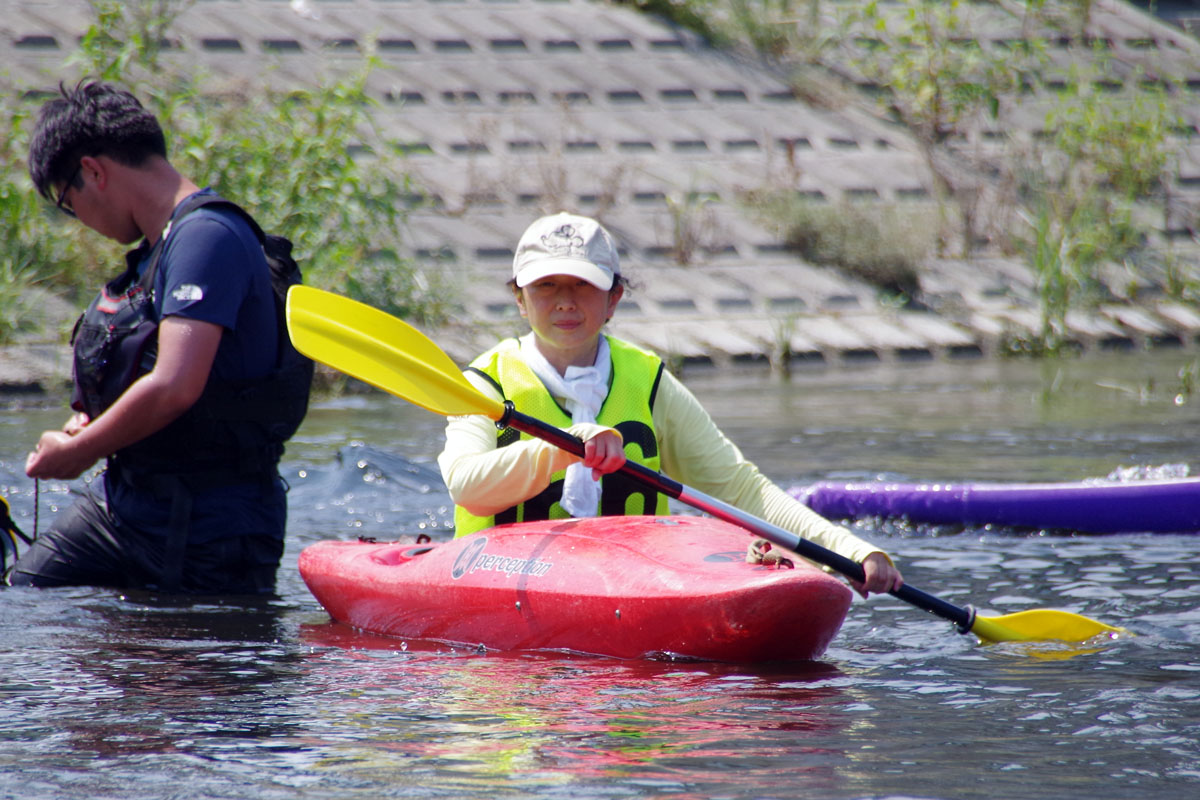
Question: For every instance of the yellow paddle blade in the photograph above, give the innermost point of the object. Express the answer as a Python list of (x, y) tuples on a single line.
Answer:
[(1042, 625), (381, 350)]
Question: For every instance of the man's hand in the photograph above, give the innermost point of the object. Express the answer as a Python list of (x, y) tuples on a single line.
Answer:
[(76, 423), (55, 457)]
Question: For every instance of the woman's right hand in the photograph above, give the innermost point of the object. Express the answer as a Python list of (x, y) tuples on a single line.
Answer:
[(604, 453)]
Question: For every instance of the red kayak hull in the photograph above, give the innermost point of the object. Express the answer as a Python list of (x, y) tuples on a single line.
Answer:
[(627, 587)]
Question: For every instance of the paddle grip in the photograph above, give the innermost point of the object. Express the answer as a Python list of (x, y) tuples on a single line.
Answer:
[(511, 418), (962, 617)]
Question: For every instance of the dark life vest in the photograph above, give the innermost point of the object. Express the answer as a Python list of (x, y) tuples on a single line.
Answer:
[(235, 426)]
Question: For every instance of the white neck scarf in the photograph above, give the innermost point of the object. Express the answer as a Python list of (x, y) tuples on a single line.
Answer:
[(583, 390)]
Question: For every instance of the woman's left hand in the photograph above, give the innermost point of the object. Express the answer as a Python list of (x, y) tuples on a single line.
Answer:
[(881, 576)]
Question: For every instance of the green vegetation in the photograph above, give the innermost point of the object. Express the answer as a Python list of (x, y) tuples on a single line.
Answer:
[(306, 162), (19, 256), (880, 244), (689, 221), (1073, 200), (1189, 380), (936, 80), (1107, 152), (37, 253)]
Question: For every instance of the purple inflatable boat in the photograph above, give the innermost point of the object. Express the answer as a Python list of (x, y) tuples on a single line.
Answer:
[(1143, 506)]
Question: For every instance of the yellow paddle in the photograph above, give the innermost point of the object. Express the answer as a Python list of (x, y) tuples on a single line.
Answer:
[(391, 355)]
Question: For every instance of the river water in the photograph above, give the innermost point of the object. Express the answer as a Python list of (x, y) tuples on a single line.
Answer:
[(106, 694)]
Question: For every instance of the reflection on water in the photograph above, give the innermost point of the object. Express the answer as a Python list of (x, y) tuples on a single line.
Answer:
[(117, 695), (543, 721)]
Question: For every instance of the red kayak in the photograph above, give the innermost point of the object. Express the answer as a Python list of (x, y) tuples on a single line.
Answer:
[(628, 587)]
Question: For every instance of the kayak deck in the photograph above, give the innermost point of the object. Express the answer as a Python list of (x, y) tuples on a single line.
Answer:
[(628, 587)]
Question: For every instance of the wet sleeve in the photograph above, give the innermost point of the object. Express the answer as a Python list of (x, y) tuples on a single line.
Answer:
[(696, 453), (484, 478)]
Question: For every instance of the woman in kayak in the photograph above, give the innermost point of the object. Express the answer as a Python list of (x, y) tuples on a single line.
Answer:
[(614, 396)]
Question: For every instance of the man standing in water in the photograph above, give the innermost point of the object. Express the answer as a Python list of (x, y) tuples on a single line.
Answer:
[(179, 380)]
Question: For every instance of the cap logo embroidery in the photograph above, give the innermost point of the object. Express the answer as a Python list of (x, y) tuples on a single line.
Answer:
[(564, 241)]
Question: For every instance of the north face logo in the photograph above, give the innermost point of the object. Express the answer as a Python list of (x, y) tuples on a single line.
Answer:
[(188, 291)]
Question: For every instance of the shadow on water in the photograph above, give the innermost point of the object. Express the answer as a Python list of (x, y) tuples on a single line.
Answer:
[(123, 673)]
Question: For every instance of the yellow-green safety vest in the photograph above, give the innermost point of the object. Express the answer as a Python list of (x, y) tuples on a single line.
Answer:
[(628, 407)]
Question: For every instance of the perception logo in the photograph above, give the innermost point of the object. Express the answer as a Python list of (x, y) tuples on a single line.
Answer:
[(473, 559)]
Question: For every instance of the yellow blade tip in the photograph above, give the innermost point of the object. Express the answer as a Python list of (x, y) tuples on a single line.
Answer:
[(1043, 625)]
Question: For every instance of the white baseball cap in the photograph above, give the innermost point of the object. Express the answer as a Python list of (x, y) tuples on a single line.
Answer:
[(566, 244)]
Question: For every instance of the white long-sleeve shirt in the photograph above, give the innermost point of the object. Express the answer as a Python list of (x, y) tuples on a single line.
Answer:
[(486, 479)]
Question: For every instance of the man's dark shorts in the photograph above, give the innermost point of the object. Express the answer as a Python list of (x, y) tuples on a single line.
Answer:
[(90, 546)]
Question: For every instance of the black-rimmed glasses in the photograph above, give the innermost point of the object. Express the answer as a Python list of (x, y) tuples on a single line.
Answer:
[(62, 204)]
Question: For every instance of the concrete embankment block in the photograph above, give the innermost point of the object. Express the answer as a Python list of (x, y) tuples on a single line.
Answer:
[(31, 369)]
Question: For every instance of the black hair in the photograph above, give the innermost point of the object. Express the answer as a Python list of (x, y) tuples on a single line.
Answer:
[(618, 280), (92, 119)]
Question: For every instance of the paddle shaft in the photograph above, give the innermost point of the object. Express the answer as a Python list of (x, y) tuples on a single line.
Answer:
[(963, 617)]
